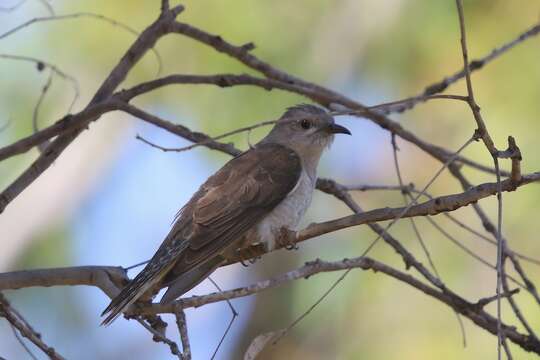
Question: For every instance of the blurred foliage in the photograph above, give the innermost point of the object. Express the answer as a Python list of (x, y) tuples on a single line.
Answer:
[(374, 51)]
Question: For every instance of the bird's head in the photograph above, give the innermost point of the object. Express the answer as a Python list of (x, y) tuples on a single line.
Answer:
[(307, 129)]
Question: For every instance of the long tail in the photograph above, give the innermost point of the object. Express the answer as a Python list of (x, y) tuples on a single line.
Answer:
[(134, 290), (190, 279), (153, 272)]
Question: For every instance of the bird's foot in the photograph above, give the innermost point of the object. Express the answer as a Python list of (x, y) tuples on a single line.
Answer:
[(251, 261), (249, 254), (287, 239)]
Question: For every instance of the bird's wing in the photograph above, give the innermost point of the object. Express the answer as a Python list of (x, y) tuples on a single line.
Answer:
[(226, 206), (229, 204), (239, 197)]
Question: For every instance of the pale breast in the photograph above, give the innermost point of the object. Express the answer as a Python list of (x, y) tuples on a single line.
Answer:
[(287, 213)]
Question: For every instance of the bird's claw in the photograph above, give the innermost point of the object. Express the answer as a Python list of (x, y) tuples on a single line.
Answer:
[(248, 255), (244, 263), (291, 247)]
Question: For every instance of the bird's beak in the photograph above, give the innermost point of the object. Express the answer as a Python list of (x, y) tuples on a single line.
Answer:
[(337, 129)]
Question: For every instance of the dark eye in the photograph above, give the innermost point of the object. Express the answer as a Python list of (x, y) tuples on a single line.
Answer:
[(305, 124)]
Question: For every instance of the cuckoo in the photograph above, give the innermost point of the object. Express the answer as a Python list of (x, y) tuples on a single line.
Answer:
[(252, 198)]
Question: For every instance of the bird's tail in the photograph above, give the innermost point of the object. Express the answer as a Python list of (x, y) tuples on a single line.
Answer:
[(159, 265), (146, 279), (190, 279)]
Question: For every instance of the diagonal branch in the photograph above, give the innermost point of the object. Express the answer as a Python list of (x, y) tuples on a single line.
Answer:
[(13, 317), (142, 44), (108, 278), (474, 65)]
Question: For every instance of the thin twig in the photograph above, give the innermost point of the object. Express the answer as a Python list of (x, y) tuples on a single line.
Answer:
[(83, 15), (462, 306), (405, 202), (407, 194), (474, 65), (183, 331), (461, 224), (41, 65), (146, 40), (25, 329), (229, 326), (207, 141), (409, 103), (426, 187), (528, 283), (488, 142), (514, 305), (12, 7), (312, 307), (373, 243), (47, 6), (35, 114), (159, 337), (21, 341)]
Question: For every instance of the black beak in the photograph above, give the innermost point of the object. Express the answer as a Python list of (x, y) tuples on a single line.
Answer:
[(337, 129)]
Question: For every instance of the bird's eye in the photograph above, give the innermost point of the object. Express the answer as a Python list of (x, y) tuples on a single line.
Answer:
[(305, 124)]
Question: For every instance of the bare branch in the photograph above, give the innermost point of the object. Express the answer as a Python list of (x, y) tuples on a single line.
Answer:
[(210, 140), (233, 318), (221, 80), (144, 42), (110, 279), (180, 130), (80, 15), (13, 7), (66, 124), (382, 233), (488, 142), (35, 114), (21, 341), (182, 329), (513, 304), (159, 337), (462, 306), (41, 65), (474, 65), (107, 278), (24, 329), (315, 92)]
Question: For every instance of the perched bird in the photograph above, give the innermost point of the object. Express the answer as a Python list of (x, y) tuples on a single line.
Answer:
[(251, 199)]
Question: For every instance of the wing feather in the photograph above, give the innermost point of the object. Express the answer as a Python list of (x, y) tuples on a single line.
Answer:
[(226, 206)]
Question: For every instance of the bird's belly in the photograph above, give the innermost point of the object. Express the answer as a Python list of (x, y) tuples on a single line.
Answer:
[(287, 214)]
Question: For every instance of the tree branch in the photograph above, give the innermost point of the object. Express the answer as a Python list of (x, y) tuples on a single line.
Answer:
[(25, 329), (106, 278), (142, 44)]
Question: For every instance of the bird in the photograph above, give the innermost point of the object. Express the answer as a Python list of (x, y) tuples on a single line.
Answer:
[(253, 198)]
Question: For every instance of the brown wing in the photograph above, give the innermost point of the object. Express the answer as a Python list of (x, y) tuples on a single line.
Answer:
[(235, 199), (226, 206)]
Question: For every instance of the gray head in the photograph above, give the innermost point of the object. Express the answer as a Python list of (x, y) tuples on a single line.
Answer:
[(307, 129)]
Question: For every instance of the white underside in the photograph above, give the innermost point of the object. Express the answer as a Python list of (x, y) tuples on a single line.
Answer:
[(288, 213)]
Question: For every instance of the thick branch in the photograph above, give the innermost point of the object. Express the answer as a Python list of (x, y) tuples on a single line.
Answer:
[(432, 207), (319, 94), (470, 310), (108, 278), (144, 42), (63, 125), (96, 275)]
